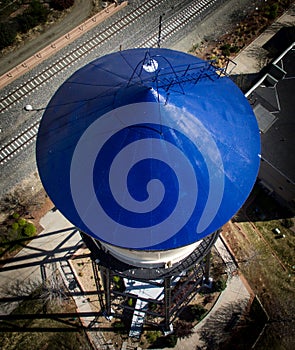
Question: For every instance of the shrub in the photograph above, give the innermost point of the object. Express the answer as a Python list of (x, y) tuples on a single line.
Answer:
[(271, 11), (234, 49), (15, 226), (130, 302), (7, 34), (62, 4), (152, 306), (38, 11), (119, 327), (219, 285), (171, 341), (192, 313), (116, 279), (15, 215), (168, 341), (152, 336), (197, 311), (21, 222), (225, 49), (183, 329), (287, 222), (29, 229), (34, 15)]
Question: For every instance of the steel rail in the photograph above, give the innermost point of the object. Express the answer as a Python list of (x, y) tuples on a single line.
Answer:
[(19, 142), (173, 25), (82, 50), (26, 137)]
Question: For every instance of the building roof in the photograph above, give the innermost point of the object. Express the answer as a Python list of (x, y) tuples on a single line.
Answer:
[(272, 99)]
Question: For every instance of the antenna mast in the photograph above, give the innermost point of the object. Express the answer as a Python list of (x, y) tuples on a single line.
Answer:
[(160, 29)]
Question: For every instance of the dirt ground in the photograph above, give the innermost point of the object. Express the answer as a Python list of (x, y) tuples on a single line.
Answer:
[(270, 277), (28, 199)]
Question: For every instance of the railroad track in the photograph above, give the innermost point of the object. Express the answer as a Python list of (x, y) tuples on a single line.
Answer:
[(170, 27), (78, 53), (19, 142)]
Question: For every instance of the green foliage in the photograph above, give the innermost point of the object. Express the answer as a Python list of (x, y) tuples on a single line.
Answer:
[(29, 229), (21, 222), (130, 302), (192, 313), (161, 342), (152, 336), (119, 327), (62, 4), (153, 306), (287, 222), (219, 285), (183, 329), (197, 311), (116, 279), (271, 11), (171, 341), (14, 226), (34, 15), (7, 34), (119, 284), (234, 49), (15, 215), (18, 228), (225, 49)]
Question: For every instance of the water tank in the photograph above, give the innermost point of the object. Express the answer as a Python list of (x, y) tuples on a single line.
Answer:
[(148, 151)]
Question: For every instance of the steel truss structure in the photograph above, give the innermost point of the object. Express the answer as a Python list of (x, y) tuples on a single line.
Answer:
[(191, 274)]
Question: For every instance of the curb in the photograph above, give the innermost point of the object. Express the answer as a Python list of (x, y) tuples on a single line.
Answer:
[(58, 44)]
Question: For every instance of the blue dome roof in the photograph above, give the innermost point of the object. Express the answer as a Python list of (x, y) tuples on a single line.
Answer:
[(148, 149)]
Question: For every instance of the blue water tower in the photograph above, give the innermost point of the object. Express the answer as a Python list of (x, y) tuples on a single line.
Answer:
[(149, 152)]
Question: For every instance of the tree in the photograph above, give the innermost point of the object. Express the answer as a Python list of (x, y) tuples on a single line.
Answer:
[(192, 313), (271, 11), (183, 329), (7, 34), (62, 4), (34, 15), (219, 285)]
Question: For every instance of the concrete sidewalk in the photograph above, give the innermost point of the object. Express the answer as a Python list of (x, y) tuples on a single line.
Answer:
[(252, 58), (58, 44), (24, 271), (51, 249), (60, 238)]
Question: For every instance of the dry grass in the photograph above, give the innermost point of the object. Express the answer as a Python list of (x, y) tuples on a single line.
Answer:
[(268, 265)]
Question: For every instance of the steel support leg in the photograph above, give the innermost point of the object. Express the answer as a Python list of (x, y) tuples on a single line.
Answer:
[(167, 302), (107, 289), (207, 268)]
